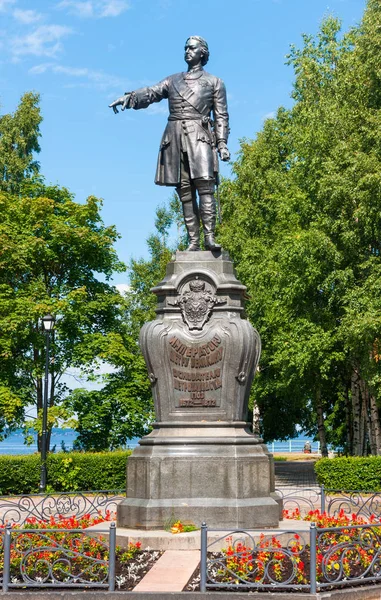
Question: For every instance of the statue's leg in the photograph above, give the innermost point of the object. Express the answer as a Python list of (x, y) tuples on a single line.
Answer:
[(187, 193), (205, 188)]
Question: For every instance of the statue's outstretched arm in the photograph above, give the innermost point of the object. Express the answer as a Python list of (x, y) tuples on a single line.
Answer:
[(142, 97), (123, 101)]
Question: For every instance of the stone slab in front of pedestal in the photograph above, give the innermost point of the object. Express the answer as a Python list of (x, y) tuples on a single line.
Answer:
[(138, 513)]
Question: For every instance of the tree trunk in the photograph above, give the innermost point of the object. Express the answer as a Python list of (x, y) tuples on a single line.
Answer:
[(348, 421), (369, 439), (321, 426), (356, 414), (375, 418)]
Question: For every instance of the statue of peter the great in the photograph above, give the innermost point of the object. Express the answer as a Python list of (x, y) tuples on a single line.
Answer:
[(188, 150)]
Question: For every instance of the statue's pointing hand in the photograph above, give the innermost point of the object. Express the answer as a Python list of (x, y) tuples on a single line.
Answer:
[(123, 101)]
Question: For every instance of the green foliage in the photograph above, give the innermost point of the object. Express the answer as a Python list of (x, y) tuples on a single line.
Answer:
[(123, 408), (56, 256), (66, 472), (19, 133), (51, 252), (350, 473), (302, 222)]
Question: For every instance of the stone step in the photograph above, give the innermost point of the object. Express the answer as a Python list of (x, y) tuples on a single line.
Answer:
[(165, 540), (171, 572)]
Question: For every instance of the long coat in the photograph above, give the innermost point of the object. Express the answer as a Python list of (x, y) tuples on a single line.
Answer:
[(191, 102)]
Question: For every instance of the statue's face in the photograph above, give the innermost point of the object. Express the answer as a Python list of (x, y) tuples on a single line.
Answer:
[(193, 52)]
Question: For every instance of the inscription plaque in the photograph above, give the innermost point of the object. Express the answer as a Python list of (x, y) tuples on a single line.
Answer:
[(196, 370)]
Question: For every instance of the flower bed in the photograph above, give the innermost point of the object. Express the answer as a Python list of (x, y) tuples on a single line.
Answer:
[(61, 552), (348, 552)]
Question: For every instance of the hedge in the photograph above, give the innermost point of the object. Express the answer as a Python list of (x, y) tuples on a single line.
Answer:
[(350, 473), (66, 471)]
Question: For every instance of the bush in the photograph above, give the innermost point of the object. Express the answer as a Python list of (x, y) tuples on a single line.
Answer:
[(350, 473), (67, 471)]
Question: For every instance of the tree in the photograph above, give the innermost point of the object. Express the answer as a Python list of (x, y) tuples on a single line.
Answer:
[(302, 221), (123, 408), (52, 252), (19, 133), (57, 256)]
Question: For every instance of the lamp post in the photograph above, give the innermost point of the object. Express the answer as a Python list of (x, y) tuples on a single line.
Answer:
[(48, 324)]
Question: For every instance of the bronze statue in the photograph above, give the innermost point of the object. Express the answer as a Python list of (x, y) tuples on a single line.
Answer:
[(188, 150)]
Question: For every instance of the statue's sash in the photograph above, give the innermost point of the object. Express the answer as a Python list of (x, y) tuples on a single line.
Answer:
[(189, 95)]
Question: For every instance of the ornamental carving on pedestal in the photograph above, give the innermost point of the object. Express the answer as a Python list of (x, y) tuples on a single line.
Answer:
[(196, 304)]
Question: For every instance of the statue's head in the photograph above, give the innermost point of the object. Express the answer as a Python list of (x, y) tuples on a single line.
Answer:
[(197, 45)]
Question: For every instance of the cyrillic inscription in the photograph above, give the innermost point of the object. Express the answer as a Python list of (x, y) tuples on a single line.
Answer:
[(187, 376)]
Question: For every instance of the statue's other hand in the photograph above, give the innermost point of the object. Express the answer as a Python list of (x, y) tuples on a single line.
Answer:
[(122, 101), (223, 151)]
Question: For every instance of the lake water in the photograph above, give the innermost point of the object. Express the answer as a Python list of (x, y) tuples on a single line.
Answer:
[(14, 444)]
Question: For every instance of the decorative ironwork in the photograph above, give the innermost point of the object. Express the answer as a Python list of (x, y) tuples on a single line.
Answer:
[(364, 504), (59, 558), (17, 509), (300, 500), (249, 562), (348, 555), (330, 501)]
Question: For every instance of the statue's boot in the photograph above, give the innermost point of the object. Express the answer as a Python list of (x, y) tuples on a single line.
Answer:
[(208, 217), (192, 223)]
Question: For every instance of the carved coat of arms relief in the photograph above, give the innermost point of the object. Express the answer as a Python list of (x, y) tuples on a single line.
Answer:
[(196, 304)]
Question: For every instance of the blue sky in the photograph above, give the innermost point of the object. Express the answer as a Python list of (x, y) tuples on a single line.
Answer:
[(82, 54)]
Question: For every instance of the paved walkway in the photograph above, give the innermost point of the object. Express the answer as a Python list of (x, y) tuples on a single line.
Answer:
[(295, 474), (171, 573)]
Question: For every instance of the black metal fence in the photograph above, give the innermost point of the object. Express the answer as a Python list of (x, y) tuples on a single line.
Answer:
[(331, 501), (291, 560), (18, 509), (312, 559), (59, 558), (251, 561)]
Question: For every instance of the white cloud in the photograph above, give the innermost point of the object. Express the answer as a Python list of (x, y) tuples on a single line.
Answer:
[(269, 115), (40, 69), (26, 16), (43, 41), (95, 8), (81, 9), (97, 79), (113, 8), (5, 4)]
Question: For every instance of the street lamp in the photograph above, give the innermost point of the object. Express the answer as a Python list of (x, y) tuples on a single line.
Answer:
[(48, 324)]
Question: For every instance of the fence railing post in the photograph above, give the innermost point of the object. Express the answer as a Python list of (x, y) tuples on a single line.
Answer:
[(322, 499), (204, 550), (7, 556), (313, 558), (111, 558)]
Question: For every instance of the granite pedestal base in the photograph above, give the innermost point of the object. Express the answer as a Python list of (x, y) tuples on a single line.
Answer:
[(222, 475)]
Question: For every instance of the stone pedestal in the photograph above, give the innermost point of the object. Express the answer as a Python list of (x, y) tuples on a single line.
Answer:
[(200, 462)]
